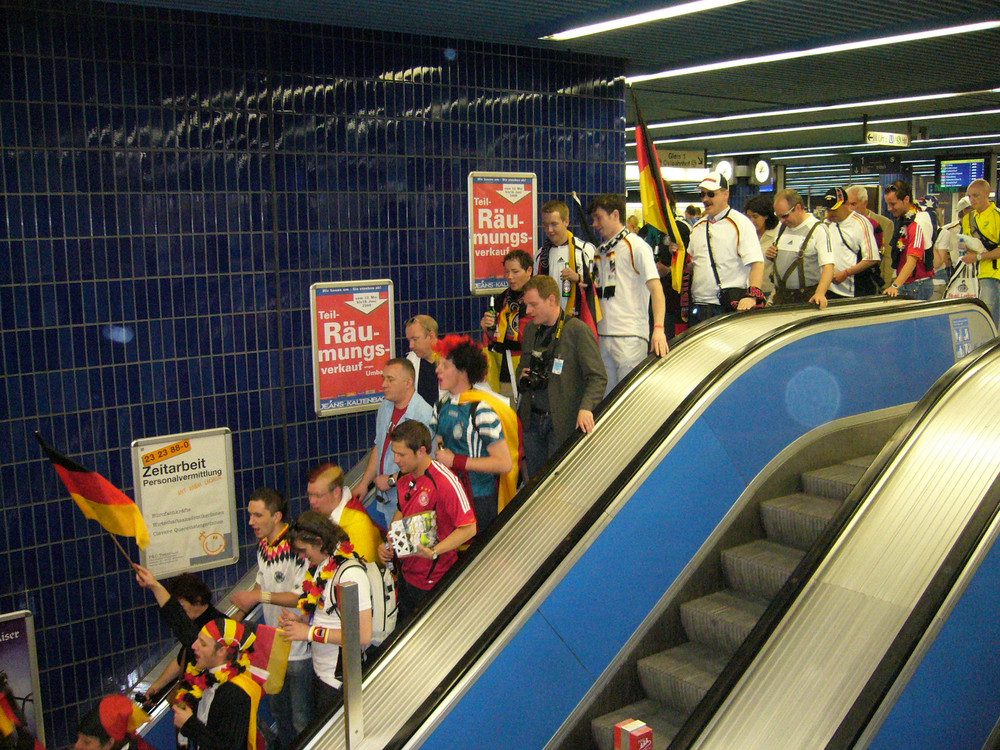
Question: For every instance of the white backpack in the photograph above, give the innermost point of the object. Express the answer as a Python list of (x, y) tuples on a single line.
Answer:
[(384, 596)]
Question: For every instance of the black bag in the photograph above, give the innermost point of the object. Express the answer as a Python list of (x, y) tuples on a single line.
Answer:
[(869, 282), (794, 296), (730, 297)]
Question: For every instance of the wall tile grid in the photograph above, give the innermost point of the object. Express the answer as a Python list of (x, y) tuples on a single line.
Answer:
[(173, 182)]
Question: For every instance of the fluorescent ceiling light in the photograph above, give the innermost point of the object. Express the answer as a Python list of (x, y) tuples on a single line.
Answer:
[(745, 133), (683, 9), (815, 51), (808, 110), (827, 126)]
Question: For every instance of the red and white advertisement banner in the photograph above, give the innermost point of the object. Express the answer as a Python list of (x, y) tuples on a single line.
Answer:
[(503, 215), (353, 336)]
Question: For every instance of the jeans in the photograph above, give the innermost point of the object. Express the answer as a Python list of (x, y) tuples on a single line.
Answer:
[(293, 706), (989, 293), (539, 442), (922, 289)]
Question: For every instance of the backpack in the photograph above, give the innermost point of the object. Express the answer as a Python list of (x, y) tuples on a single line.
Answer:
[(384, 595)]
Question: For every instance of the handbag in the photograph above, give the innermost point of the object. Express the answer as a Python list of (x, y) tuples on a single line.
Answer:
[(964, 283), (730, 296)]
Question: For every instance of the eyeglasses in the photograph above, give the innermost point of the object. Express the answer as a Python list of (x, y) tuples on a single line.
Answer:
[(790, 212), (707, 193)]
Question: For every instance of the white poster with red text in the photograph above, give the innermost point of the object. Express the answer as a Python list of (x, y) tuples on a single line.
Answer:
[(503, 214), (353, 336)]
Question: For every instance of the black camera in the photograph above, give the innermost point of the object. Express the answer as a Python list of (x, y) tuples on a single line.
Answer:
[(536, 374)]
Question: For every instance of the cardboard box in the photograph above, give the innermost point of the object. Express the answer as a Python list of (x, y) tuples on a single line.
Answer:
[(632, 734)]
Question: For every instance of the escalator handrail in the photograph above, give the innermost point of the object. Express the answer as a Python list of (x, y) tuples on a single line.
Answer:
[(765, 627)]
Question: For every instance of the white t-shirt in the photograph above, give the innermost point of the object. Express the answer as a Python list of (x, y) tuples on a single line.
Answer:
[(627, 265), (559, 259), (858, 234), (326, 656), (735, 248), (817, 253)]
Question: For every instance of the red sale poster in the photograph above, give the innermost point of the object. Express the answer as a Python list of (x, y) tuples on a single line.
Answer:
[(353, 336), (503, 214)]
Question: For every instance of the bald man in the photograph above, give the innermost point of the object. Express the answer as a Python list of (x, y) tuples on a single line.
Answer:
[(983, 223)]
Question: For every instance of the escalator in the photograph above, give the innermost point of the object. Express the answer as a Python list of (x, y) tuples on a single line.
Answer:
[(674, 448), (688, 641), (845, 638)]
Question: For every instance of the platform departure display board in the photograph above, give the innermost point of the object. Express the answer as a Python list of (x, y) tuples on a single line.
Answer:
[(954, 175)]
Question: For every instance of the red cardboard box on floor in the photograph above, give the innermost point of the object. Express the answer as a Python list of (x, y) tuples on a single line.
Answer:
[(633, 735)]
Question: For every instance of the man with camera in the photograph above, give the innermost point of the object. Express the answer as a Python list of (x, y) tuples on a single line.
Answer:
[(561, 376)]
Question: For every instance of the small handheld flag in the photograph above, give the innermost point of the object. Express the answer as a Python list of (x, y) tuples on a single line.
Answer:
[(99, 500)]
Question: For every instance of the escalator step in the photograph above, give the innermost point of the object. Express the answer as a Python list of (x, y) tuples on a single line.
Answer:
[(664, 721), (865, 461), (722, 620), (797, 520), (680, 676), (760, 568), (832, 481)]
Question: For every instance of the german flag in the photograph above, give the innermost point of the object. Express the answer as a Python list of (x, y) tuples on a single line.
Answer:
[(99, 500), (656, 209), (588, 307)]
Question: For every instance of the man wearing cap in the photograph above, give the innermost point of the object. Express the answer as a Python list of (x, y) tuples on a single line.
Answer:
[(911, 242), (983, 223), (857, 200), (727, 262), (803, 261), (627, 281), (946, 246), (216, 707), (856, 254)]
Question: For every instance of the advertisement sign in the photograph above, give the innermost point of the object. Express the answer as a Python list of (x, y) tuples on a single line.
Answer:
[(185, 488), (503, 214), (19, 684), (353, 336)]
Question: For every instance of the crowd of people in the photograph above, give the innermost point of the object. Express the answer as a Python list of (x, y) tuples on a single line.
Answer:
[(462, 425)]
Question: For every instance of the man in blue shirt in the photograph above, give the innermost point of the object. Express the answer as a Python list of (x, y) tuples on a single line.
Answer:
[(401, 403)]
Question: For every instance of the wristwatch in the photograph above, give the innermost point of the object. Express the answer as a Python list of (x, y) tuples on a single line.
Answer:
[(434, 552), (391, 480)]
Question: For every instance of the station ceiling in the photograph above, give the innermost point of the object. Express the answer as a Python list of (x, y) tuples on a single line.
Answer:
[(957, 74)]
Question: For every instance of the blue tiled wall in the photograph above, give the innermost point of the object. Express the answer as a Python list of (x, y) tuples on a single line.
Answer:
[(186, 177)]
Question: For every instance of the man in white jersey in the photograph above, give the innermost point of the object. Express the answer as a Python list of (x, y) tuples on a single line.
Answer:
[(727, 262), (280, 573), (627, 282), (563, 255), (803, 261), (856, 253)]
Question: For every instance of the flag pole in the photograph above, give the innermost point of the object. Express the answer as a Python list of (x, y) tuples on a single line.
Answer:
[(120, 548)]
